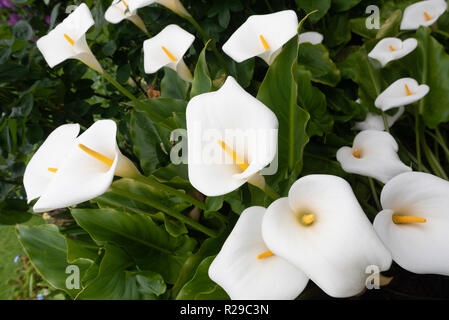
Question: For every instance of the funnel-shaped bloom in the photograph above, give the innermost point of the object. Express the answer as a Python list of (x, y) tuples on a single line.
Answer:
[(247, 270), (375, 122), (67, 170), (311, 37), (174, 5), (400, 93), (414, 222), (119, 10), (321, 229), (389, 49), (423, 13), (262, 36), (231, 137), (68, 40), (167, 49), (373, 154)]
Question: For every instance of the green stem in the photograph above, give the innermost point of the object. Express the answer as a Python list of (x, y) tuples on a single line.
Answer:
[(139, 105), (169, 211), (440, 139), (432, 159), (417, 138), (374, 192), (206, 38), (273, 195), (384, 118), (160, 186)]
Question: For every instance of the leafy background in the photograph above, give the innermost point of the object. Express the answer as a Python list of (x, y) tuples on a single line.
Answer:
[(125, 246)]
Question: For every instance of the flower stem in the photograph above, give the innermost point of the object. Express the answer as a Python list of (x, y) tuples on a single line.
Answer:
[(160, 186), (432, 159), (374, 192), (417, 137), (384, 118), (273, 195), (139, 105)]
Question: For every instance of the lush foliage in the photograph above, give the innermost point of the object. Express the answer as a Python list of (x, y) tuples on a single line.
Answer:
[(139, 242)]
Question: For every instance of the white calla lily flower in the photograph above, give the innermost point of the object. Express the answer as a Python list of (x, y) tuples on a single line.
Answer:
[(373, 154), (119, 10), (262, 36), (389, 49), (321, 229), (375, 122), (174, 5), (414, 222), (311, 37), (67, 170), (423, 13), (231, 137), (167, 49), (68, 40), (400, 93), (247, 270)]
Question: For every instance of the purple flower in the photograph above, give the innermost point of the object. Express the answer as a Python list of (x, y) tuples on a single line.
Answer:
[(13, 19), (47, 19), (16, 258), (6, 4)]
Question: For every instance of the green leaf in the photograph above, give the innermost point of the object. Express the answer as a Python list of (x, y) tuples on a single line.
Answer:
[(243, 72), (123, 73), (315, 58), (201, 287), (309, 5), (22, 30), (344, 5), (10, 72), (13, 211), (429, 64), (201, 79), (24, 106), (279, 92), (151, 283), (390, 28), (47, 250), (172, 86)]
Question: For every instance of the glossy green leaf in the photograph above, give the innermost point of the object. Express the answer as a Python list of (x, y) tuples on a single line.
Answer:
[(315, 58), (172, 86), (13, 211), (344, 5), (309, 5), (202, 82)]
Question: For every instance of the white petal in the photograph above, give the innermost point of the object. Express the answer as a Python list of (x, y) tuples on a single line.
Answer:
[(116, 12), (335, 250), (417, 247), (137, 4), (238, 271), (414, 15), (396, 94), (376, 122), (243, 123), (78, 22), (311, 37), (175, 39), (175, 6), (51, 154), (85, 55), (82, 177), (383, 50), (378, 156), (276, 28)]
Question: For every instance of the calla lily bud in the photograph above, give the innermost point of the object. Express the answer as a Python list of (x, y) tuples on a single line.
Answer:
[(373, 154), (231, 137), (247, 270), (423, 13), (414, 222), (311, 37), (119, 10), (262, 36), (322, 230), (389, 49), (400, 93), (68, 40), (375, 122), (167, 49), (67, 170)]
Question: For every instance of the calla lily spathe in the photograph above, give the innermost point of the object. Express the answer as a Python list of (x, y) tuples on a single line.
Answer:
[(373, 154), (375, 122), (68, 40), (67, 170), (231, 137), (119, 10), (414, 222), (245, 272), (423, 13), (174, 5), (167, 49), (389, 49), (262, 36), (311, 37), (400, 93), (321, 229)]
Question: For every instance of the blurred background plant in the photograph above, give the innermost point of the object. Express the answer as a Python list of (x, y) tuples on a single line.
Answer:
[(35, 99)]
